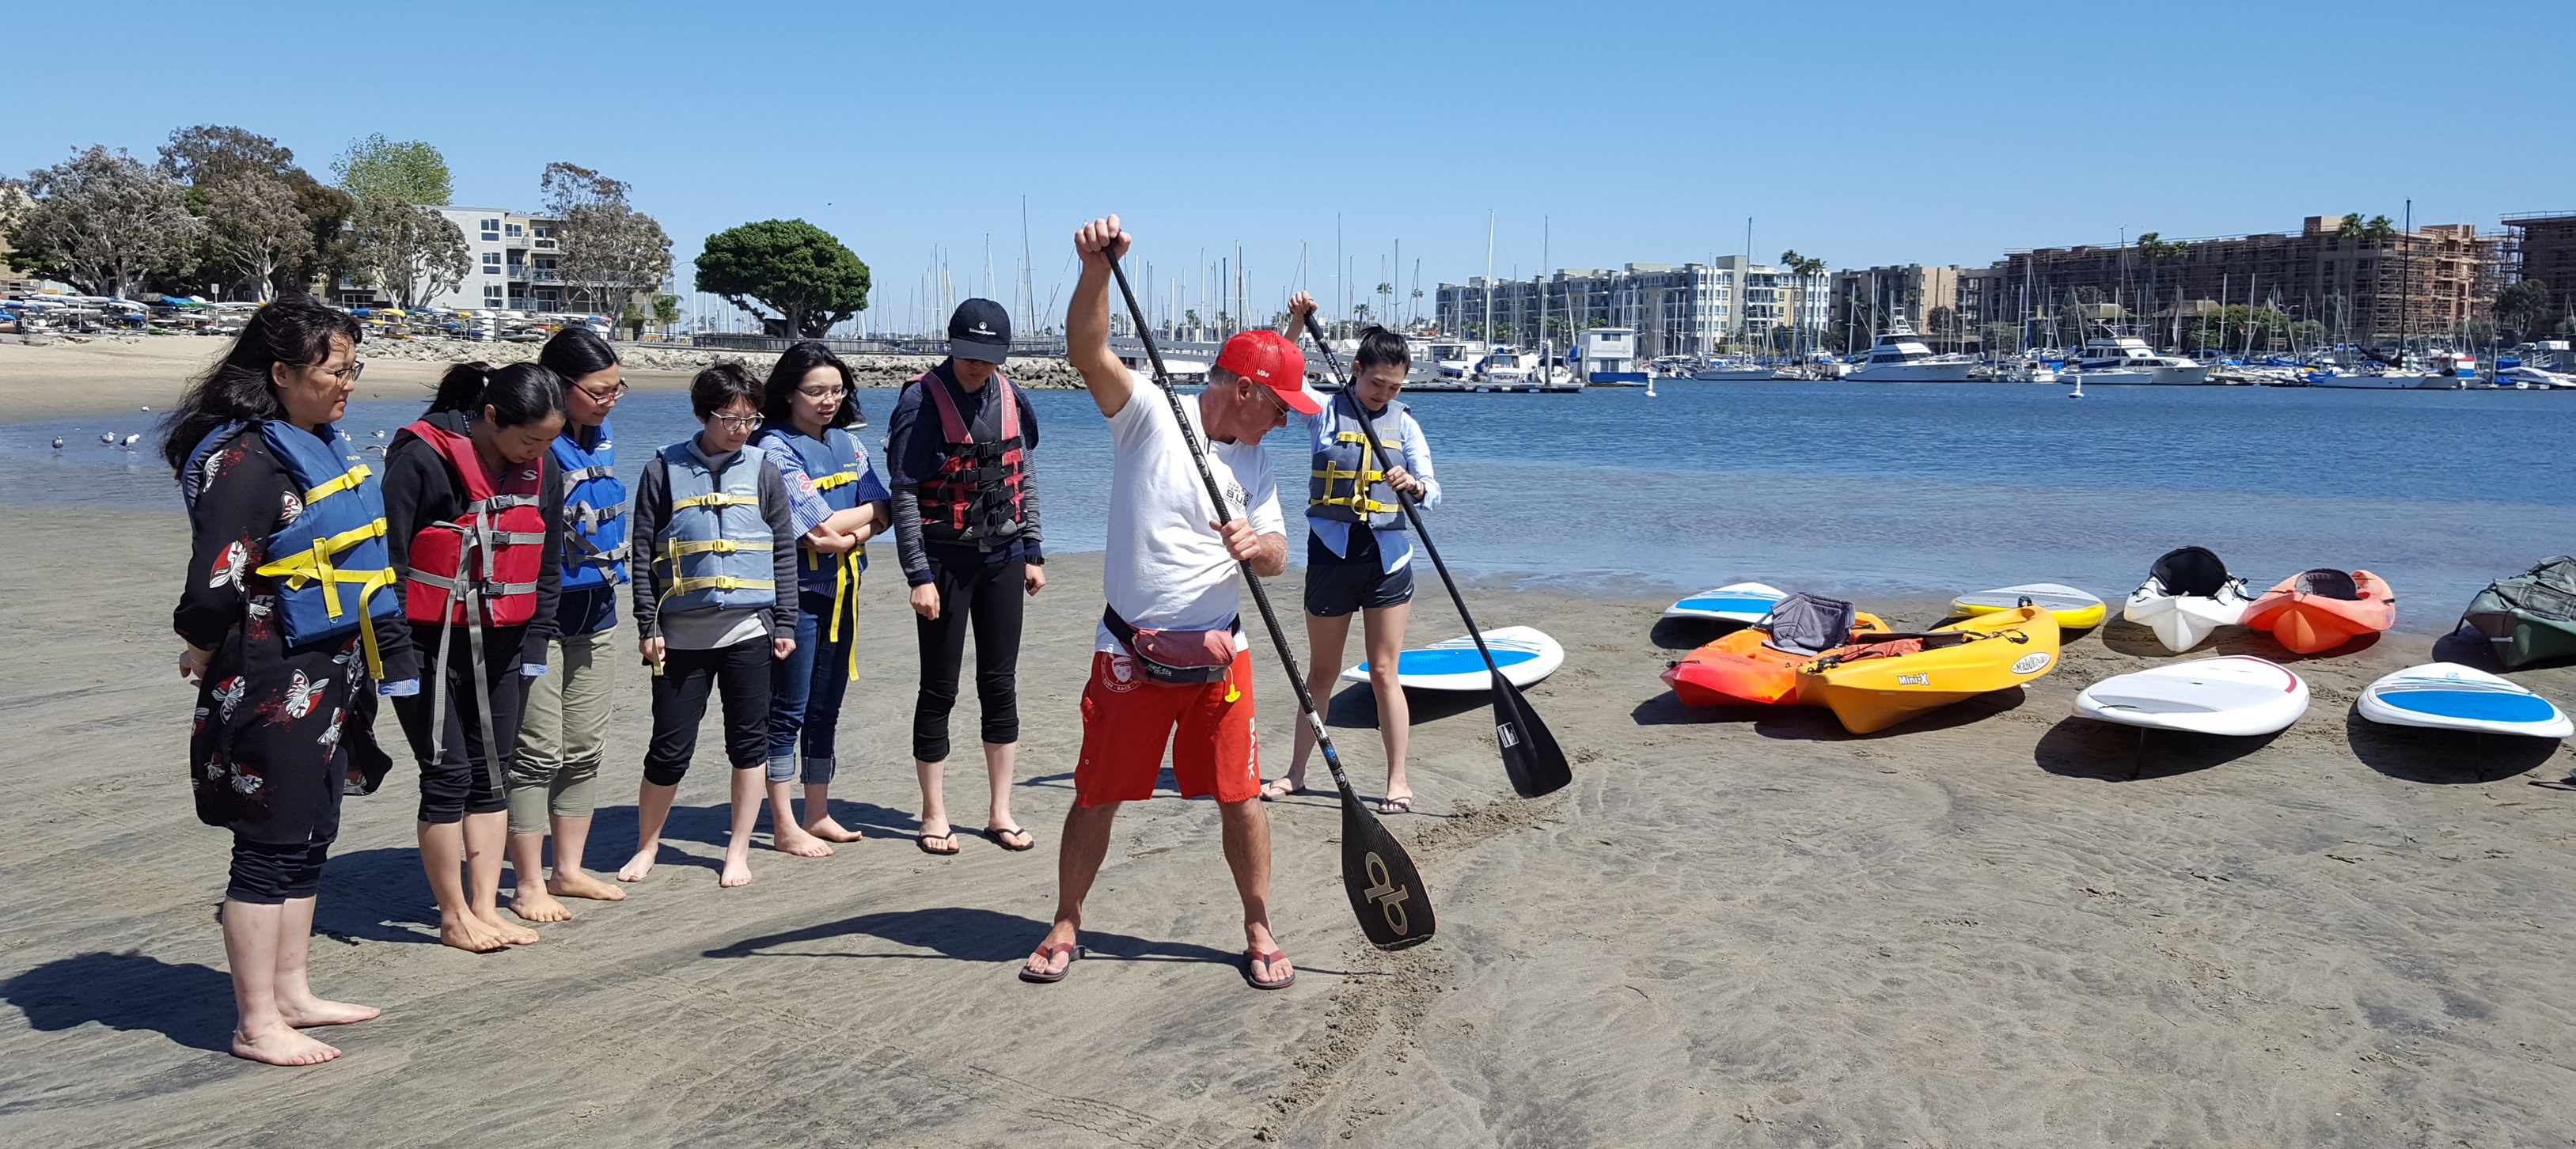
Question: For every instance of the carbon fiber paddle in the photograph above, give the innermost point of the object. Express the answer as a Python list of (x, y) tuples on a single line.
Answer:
[(1387, 893), (1530, 755)]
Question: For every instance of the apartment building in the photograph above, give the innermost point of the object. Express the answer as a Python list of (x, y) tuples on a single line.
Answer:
[(510, 262), (2542, 245), (1675, 309)]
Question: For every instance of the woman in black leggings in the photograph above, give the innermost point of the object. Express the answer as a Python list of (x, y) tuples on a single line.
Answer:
[(966, 528)]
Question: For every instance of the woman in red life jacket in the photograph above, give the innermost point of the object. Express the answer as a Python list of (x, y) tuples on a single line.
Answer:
[(474, 520), (253, 442)]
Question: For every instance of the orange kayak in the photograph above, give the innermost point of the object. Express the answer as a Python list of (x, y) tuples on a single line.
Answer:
[(2324, 608), (1738, 670)]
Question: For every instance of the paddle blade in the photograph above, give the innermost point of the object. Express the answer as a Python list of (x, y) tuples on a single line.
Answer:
[(1394, 907), (1530, 756)]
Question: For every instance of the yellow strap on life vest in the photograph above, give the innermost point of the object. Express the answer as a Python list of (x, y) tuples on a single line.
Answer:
[(836, 479), (1360, 482), (681, 586), (313, 564), (718, 499), (348, 480), (674, 548)]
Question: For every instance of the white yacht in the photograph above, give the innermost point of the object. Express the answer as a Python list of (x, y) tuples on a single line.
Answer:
[(1454, 360), (1900, 357), (1735, 370), (1506, 364), (2112, 360)]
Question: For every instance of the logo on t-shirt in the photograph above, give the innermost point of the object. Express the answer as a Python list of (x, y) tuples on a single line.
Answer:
[(805, 483)]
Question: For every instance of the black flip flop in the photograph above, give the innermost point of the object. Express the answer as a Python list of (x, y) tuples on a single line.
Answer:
[(1034, 977), (923, 841), (999, 840)]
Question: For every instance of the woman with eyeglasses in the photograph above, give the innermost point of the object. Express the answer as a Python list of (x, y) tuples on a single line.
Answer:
[(563, 732), (966, 527), (474, 518), (713, 561), (287, 622), (836, 500)]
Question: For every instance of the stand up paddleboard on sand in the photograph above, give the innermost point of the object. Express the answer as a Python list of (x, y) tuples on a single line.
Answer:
[(2235, 695), (1744, 602), (1524, 655), (2449, 696), (2074, 609)]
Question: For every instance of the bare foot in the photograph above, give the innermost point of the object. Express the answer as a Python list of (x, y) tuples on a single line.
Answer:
[(735, 874), (637, 867), (468, 933), (1395, 804), (516, 935), (534, 904), (281, 1046), (831, 831), (317, 1011), (579, 884), (793, 839)]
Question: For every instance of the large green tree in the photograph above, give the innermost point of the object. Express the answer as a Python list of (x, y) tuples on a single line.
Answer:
[(411, 253), (408, 172), (254, 201), (789, 266), (103, 220), (2526, 308)]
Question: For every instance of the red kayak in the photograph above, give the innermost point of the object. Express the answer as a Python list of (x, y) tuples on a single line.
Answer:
[(1738, 670), (2324, 608)]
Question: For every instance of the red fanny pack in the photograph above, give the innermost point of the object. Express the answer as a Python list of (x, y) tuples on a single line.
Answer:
[(1176, 656)]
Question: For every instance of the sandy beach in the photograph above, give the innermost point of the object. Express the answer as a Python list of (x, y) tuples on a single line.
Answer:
[(1993, 926)]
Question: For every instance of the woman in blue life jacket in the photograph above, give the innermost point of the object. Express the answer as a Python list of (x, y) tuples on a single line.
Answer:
[(1358, 556), (563, 730), (836, 500), (960, 449), (289, 618), (713, 563), (474, 521)]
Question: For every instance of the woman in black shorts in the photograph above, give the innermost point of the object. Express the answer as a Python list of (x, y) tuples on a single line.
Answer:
[(1358, 556)]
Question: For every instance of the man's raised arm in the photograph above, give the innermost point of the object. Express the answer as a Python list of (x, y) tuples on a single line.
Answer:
[(1086, 319)]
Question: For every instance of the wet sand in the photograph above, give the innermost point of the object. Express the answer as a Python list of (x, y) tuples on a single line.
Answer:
[(1992, 926)]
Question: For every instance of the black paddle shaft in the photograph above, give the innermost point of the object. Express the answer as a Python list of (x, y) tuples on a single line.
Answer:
[(1530, 754), (1387, 894)]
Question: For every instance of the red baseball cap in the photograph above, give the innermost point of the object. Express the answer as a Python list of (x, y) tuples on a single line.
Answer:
[(1268, 358)]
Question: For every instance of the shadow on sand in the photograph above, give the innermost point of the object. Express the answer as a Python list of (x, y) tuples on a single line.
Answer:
[(2110, 752), (190, 1004), (962, 933), (1690, 633), (2443, 757), (1816, 723)]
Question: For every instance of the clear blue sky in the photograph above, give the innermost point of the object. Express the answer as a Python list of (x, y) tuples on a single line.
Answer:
[(1862, 132)]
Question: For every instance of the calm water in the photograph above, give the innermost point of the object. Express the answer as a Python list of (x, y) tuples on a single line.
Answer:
[(1838, 487)]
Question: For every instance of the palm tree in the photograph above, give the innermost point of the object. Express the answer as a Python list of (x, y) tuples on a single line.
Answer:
[(1800, 266)]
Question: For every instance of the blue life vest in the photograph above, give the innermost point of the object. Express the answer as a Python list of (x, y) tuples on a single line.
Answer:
[(1346, 482), (594, 503), (832, 465), (331, 560), (714, 551)]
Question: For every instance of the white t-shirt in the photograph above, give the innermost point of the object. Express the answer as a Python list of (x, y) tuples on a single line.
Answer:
[(1166, 568)]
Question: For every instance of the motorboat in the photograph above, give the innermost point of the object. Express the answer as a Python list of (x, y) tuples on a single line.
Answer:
[(2367, 377), (1506, 365), (1734, 371), (2126, 360), (1455, 359), (1899, 356), (2453, 370), (2526, 378)]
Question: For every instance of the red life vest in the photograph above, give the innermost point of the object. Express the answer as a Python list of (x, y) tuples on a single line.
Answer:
[(977, 493), (492, 552)]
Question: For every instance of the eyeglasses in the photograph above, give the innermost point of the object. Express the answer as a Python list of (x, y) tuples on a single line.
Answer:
[(833, 393), (1277, 401), (737, 422), (350, 373), (604, 397)]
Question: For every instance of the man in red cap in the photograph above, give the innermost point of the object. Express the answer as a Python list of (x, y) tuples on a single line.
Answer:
[(1169, 662)]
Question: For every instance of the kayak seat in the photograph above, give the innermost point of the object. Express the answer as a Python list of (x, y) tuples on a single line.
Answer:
[(2327, 582), (2191, 571), (1807, 624)]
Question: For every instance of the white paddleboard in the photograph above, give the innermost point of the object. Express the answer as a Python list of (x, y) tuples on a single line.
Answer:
[(1744, 602), (2235, 695), (2449, 696), (1525, 654), (2073, 607), (2183, 621)]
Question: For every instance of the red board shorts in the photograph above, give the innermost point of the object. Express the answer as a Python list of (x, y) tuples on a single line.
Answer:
[(1127, 719)]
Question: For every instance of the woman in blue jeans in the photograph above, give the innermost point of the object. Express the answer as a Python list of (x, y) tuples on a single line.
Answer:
[(837, 502)]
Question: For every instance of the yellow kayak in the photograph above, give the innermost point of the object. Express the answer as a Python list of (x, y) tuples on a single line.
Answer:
[(1874, 685), (2075, 610)]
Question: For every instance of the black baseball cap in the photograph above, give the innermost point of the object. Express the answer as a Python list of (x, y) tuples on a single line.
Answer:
[(980, 329)]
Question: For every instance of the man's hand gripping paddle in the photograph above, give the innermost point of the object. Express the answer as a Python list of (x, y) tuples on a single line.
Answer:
[(1530, 755), (1386, 892)]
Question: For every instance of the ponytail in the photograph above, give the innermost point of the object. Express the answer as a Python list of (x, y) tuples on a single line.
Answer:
[(519, 394)]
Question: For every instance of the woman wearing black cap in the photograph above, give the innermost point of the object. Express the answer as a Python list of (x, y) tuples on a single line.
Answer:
[(966, 529)]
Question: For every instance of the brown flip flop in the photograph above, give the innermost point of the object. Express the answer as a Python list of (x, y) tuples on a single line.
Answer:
[(1273, 957), (1034, 977)]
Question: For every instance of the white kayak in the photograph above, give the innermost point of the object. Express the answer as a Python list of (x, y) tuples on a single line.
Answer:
[(2183, 621), (2235, 695), (1744, 602), (2449, 696), (1525, 654)]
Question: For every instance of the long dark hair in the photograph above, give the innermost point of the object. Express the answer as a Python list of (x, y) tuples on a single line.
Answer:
[(789, 374), (519, 394), (295, 330), (576, 351)]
